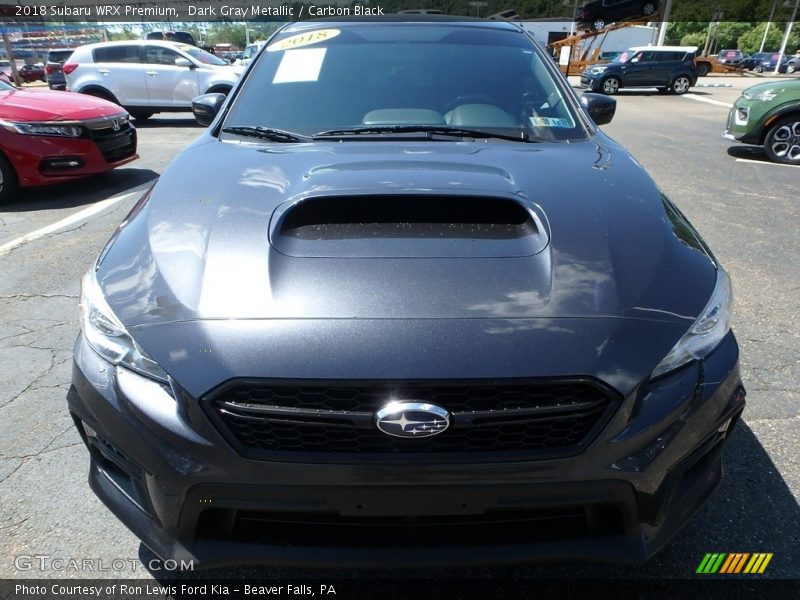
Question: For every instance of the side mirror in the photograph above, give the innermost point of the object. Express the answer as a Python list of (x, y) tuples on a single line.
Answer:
[(184, 62), (601, 108), (206, 107)]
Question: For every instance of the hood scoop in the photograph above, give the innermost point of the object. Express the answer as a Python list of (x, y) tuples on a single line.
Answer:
[(408, 226)]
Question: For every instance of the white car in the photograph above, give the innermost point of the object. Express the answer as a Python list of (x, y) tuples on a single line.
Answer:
[(148, 76), (250, 52)]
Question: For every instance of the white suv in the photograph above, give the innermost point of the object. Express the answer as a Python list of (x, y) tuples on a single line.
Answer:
[(148, 76)]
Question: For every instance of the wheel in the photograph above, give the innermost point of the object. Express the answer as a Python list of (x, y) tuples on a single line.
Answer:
[(648, 8), (790, 68), (598, 23), (702, 69), (610, 86), (680, 85), (782, 143), (8, 180), (140, 114), (759, 69)]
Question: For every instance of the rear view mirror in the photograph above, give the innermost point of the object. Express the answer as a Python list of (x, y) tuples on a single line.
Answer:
[(600, 107), (206, 107)]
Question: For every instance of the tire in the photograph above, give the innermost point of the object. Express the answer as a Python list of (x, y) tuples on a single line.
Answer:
[(782, 143), (648, 8), (140, 114), (610, 85), (8, 180), (702, 69), (598, 23), (790, 68), (680, 85), (759, 69)]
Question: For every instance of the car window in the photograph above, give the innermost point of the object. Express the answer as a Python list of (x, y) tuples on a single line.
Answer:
[(409, 75), (156, 55), (117, 54), (202, 56), (59, 56), (4, 87)]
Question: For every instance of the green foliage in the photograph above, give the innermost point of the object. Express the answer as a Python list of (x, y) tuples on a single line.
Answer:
[(750, 41), (694, 39)]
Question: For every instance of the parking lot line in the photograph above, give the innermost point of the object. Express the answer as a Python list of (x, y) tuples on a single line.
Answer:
[(764, 162), (65, 222), (691, 96)]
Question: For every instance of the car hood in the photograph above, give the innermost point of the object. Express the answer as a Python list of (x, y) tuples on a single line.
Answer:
[(789, 85), (208, 244), (207, 250), (47, 105)]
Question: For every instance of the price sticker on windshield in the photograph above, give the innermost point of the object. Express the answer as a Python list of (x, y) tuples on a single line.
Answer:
[(304, 39)]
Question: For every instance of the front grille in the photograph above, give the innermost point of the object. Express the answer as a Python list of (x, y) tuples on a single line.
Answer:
[(332, 530), (554, 418), (115, 145)]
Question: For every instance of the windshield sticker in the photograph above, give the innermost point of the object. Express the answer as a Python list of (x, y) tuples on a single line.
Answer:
[(304, 39), (550, 122), (300, 65)]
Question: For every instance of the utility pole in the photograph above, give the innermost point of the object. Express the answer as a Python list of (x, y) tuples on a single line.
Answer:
[(769, 22), (786, 36), (662, 32), (11, 59)]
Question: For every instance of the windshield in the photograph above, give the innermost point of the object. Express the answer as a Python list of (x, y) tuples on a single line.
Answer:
[(403, 76), (201, 55), (4, 87)]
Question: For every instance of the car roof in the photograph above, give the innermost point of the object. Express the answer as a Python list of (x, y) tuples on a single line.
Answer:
[(665, 48), (430, 19), (163, 43)]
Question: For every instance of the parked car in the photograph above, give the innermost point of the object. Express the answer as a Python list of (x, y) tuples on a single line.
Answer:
[(31, 73), (768, 115), (597, 14), (4, 78), (5, 69), (50, 137), (731, 57), (249, 53), (148, 77), (754, 60), (54, 68), (771, 61), (669, 68), (405, 303)]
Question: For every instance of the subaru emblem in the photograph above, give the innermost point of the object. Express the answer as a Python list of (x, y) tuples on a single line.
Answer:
[(412, 419)]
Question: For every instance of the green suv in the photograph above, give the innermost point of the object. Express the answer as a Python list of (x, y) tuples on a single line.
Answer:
[(768, 114)]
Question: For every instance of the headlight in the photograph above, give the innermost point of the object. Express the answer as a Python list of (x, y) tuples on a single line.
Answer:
[(707, 332), (106, 334), (762, 96), (49, 129), (597, 70)]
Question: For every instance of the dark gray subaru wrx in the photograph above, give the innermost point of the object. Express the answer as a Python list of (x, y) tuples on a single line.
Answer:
[(403, 303)]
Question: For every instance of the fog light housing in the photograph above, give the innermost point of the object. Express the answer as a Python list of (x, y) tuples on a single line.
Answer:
[(62, 163)]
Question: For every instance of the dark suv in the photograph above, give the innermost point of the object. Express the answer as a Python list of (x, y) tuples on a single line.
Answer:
[(54, 69), (599, 13), (669, 68)]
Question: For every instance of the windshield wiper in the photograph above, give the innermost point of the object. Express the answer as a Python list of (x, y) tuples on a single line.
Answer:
[(428, 130), (266, 133)]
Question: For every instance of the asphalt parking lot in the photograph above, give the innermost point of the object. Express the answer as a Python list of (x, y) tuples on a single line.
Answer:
[(744, 206)]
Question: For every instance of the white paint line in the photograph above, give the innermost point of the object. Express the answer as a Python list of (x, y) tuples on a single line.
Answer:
[(691, 96), (764, 162), (66, 222)]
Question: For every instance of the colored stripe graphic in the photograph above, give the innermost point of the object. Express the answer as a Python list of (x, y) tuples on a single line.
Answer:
[(735, 562)]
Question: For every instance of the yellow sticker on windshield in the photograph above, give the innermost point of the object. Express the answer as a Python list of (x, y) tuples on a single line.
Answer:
[(304, 39)]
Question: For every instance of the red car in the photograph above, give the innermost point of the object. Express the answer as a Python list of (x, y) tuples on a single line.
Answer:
[(30, 73), (49, 137)]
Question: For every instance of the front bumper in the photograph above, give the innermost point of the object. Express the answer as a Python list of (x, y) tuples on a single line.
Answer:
[(161, 466), (37, 159), (591, 83)]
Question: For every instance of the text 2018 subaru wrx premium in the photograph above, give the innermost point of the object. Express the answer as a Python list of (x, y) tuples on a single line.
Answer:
[(404, 303)]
